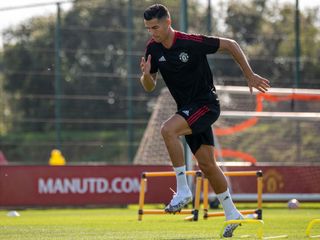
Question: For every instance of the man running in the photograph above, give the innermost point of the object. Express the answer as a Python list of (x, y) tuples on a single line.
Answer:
[(181, 59)]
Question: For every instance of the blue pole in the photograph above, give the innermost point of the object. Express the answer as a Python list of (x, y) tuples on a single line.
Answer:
[(297, 44), (57, 76), (129, 81)]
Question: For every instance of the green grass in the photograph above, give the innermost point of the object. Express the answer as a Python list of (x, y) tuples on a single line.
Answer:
[(121, 223)]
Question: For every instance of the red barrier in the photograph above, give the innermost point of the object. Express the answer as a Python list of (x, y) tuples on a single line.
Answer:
[(75, 185), (36, 186), (280, 180)]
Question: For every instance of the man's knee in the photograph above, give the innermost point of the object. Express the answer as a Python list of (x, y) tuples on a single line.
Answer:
[(174, 127), (166, 131), (207, 167)]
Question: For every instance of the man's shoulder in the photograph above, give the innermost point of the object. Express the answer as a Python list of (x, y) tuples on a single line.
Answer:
[(189, 37), (152, 43)]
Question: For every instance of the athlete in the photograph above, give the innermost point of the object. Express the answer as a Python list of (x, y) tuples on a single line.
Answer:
[(181, 59)]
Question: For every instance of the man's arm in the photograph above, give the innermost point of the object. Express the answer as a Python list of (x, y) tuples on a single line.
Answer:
[(254, 80), (148, 80)]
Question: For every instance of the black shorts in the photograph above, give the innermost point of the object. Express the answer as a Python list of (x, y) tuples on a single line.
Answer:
[(200, 117)]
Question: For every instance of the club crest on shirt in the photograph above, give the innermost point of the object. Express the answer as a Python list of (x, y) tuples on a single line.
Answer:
[(184, 57)]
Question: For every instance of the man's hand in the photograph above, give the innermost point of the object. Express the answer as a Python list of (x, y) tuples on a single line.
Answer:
[(145, 65), (254, 80), (258, 82), (147, 80)]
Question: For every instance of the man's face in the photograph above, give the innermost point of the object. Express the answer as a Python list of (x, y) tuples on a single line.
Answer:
[(158, 29)]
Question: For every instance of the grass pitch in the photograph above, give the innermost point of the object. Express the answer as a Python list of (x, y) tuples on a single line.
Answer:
[(122, 223)]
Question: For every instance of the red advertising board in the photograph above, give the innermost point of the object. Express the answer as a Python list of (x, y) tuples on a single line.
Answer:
[(280, 183), (74, 185), (35, 186)]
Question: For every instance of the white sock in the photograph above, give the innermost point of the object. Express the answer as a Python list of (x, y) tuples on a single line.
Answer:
[(182, 184), (230, 210)]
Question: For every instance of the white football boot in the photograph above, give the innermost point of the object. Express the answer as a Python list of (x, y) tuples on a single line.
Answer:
[(228, 231), (178, 202)]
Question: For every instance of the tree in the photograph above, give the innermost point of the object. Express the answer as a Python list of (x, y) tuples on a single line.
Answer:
[(244, 20), (27, 58), (267, 33), (94, 62)]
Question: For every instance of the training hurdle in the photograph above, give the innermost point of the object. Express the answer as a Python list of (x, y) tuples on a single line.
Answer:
[(310, 225), (143, 185), (259, 230), (257, 211), (259, 223)]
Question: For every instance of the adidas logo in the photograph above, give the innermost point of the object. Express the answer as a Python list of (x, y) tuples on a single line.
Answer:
[(226, 198), (162, 59), (186, 112)]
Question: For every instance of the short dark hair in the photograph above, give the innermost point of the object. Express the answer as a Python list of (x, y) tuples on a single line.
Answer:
[(156, 11)]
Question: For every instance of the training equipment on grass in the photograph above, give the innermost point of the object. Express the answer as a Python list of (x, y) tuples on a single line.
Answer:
[(56, 158), (293, 204), (259, 229), (13, 214), (259, 223), (143, 185), (310, 225), (257, 211), (195, 211)]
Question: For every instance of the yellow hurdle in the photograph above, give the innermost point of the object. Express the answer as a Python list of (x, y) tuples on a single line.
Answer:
[(310, 225), (143, 184), (195, 211), (257, 211), (249, 221), (259, 233)]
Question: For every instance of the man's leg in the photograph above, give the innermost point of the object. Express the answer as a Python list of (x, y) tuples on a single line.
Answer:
[(208, 165), (171, 130)]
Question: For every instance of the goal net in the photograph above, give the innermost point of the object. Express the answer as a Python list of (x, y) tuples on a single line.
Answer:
[(281, 126)]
